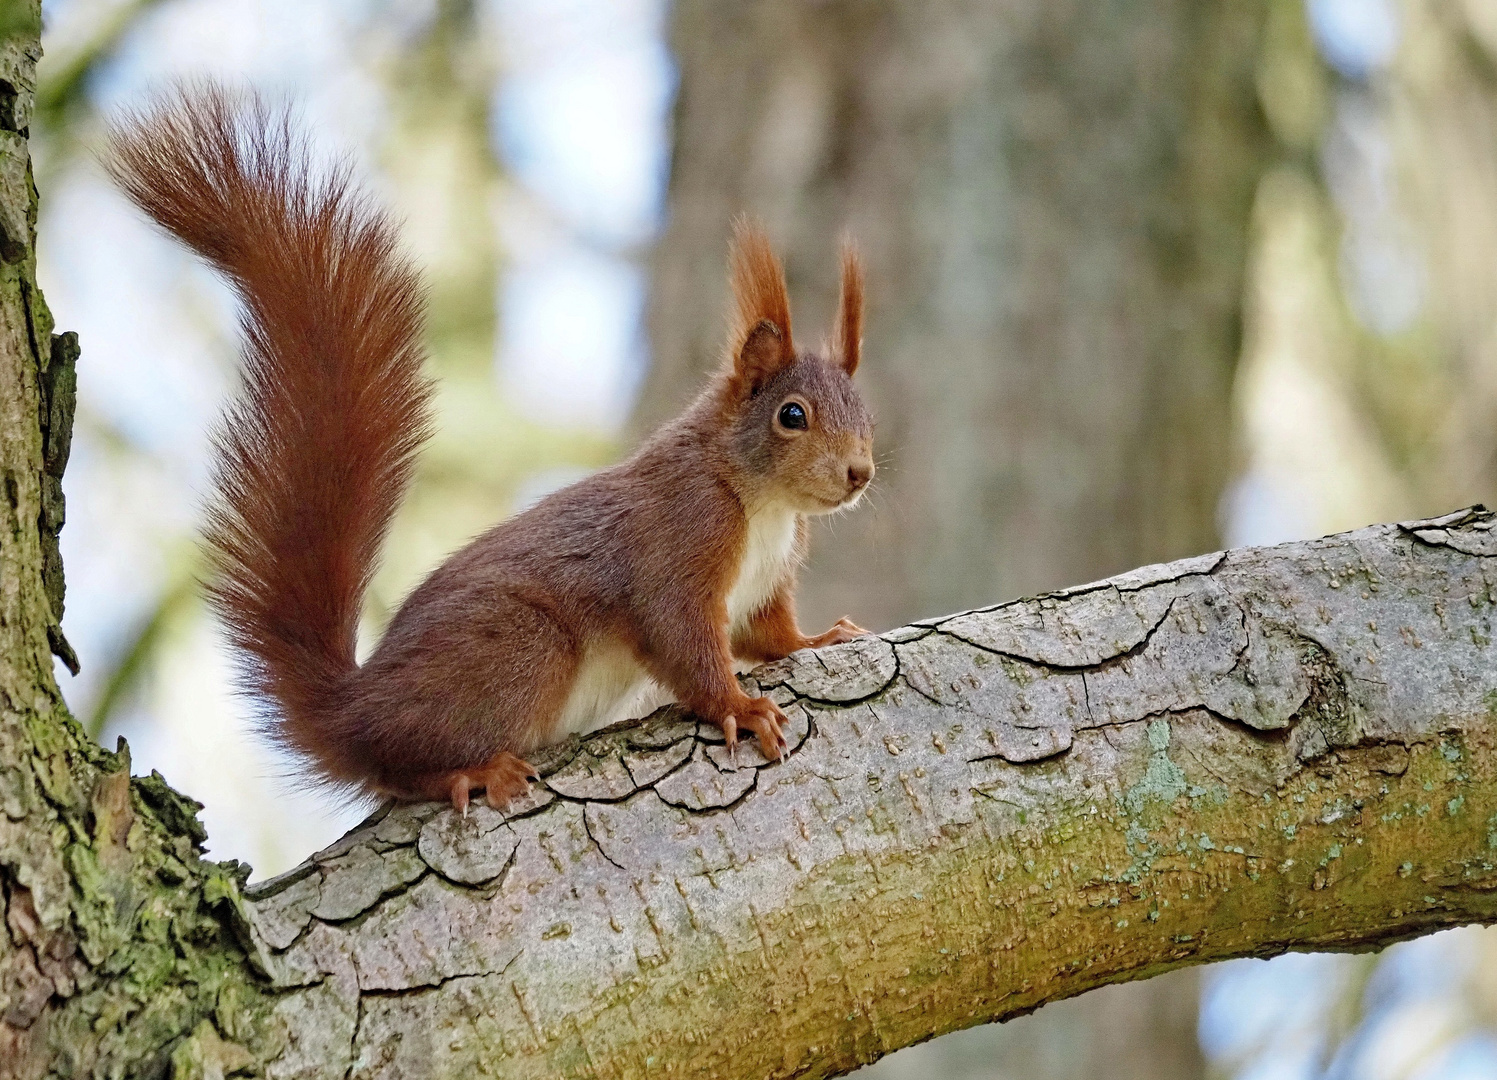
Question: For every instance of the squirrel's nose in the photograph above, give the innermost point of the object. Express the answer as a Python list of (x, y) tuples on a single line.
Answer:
[(859, 473)]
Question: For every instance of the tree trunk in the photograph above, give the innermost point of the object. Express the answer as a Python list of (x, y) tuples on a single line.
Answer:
[(1053, 199), (118, 941)]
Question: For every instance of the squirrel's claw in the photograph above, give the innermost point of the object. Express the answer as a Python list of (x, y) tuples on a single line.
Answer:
[(506, 777), (461, 785), (764, 718), (503, 778), (842, 630)]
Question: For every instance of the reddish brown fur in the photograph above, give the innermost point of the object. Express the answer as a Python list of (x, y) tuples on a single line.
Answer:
[(759, 294), (847, 333), (479, 662), (332, 317)]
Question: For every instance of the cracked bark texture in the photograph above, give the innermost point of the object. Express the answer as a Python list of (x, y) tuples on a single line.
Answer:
[(1231, 755)]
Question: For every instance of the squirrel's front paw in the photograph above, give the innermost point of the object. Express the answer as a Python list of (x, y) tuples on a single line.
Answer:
[(764, 718), (843, 630)]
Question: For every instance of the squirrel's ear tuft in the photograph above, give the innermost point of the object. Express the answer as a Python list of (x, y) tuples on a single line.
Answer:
[(759, 335), (847, 334)]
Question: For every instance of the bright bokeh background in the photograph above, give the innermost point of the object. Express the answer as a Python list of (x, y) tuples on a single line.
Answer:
[(559, 163), (526, 144)]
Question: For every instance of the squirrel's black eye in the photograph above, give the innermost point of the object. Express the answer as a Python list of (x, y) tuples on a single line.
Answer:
[(793, 416)]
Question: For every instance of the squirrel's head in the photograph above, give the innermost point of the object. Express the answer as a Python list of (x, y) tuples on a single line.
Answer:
[(798, 427)]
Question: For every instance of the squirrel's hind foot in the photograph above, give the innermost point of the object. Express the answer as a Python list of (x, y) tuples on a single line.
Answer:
[(503, 778)]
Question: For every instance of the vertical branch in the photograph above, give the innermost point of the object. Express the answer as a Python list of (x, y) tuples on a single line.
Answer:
[(36, 383), (121, 949)]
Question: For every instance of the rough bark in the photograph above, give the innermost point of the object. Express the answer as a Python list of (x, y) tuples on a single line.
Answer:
[(1232, 755), (36, 394)]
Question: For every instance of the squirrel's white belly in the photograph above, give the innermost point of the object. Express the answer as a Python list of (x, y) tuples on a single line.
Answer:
[(610, 684), (769, 553)]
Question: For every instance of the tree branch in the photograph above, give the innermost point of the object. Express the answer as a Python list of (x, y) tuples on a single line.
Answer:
[(1233, 755)]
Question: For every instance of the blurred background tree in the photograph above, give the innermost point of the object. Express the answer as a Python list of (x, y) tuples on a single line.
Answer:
[(1053, 201), (1146, 278)]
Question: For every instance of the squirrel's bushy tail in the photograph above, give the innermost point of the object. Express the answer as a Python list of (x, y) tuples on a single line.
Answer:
[(315, 456)]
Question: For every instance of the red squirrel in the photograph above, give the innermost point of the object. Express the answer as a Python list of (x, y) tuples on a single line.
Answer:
[(659, 572)]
